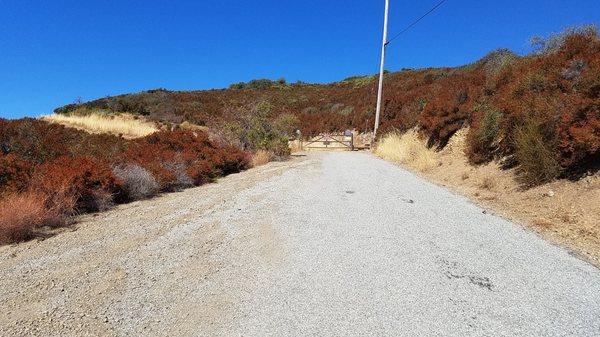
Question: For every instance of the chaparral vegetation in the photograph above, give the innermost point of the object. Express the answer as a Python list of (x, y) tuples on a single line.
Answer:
[(539, 113), (49, 171)]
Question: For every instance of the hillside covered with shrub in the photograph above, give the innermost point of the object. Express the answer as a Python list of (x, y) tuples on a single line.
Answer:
[(540, 111), (49, 172)]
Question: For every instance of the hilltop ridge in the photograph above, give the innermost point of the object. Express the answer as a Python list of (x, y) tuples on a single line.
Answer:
[(517, 107)]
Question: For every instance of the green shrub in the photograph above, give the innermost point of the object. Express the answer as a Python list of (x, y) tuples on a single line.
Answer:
[(254, 130), (233, 133), (262, 109), (262, 136), (287, 124), (360, 81), (535, 154), (490, 127), (346, 111), (260, 84), (483, 138)]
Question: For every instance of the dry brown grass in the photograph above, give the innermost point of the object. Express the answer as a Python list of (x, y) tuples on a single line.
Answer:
[(407, 149), (543, 223), (193, 127), (487, 183), (261, 157), (22, 215), (295, 146), (567, 218), (126, 125)]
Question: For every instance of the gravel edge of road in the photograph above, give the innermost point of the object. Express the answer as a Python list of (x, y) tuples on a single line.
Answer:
[(525, 224)]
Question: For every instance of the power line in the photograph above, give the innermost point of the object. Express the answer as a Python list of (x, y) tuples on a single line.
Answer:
[(415, 22), (383, 49)]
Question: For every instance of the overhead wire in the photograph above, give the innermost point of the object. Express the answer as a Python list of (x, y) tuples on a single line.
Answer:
[(415, 22)]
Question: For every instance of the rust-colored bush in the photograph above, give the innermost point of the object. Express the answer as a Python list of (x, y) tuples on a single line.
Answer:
[(588, 82), (90, 180), (20, 215), (557, 86), (49, 172), (170, 155), (164, 155), (15, 174), (23, 214), (230, 160), (563, 98), (38, 141), (201, 172)]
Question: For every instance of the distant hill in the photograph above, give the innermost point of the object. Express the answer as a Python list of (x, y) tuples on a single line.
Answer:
[(340, 105), (549, 98)]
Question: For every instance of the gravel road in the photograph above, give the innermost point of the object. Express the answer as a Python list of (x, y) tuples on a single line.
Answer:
[(328, 244)]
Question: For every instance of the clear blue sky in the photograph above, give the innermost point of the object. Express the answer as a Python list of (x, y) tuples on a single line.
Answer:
[(52, 52)]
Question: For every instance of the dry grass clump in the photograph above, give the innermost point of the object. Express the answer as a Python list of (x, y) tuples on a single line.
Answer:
[(23, 214), (487, 183), (543, 223), (20, 214), (126, 125), (407, 149), (193, 127), (295, 146), (261, 157)]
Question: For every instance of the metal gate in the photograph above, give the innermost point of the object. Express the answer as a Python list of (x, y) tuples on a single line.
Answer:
[(330, 142)]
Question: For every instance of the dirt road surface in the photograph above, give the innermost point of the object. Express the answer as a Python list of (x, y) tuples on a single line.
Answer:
[(327, 244)]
